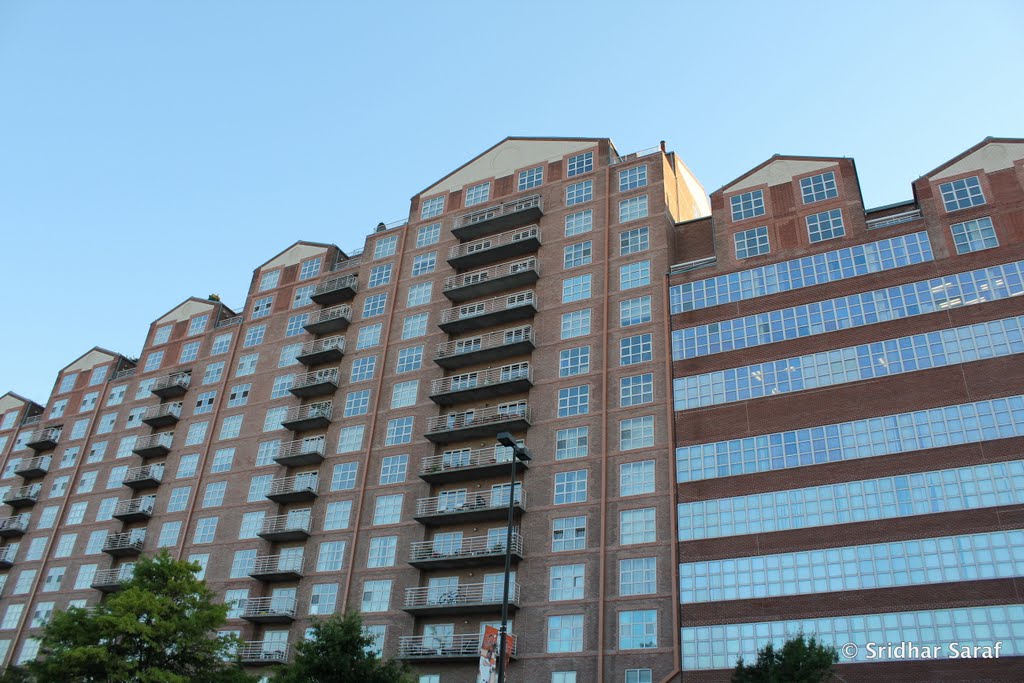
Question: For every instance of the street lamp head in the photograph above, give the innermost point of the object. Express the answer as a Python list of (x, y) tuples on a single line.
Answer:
[(521, 453), (506, 439)]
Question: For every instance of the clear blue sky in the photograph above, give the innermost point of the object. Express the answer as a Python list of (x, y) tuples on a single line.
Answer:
[(154, 150)]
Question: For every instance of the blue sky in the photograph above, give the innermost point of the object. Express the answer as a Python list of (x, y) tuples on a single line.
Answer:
[(152, 151)]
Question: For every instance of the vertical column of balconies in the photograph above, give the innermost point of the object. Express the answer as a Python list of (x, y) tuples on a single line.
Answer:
[(489, 374)]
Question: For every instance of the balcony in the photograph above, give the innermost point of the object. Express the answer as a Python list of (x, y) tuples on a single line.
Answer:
[(335, 290), (308, 451), (460, 646), (125, 544), (294, 526), (483, 422), (311, 416), (268, 610), (474, 506), (33, 468), (143, 477), (514, 378), (466, 598), (476, 551), (485, 348), (44, 439), (172, 386), (154, 445), (334, 319), (162, 415), (262, 653), (466, 464), (23, 496), (13, 527), (300, 488), (316, 383), (496, 248), (277, 568), (7, 556), (325, 350), (494, 219), (135, 510), (489, 312), (499, 278), (112, 580)]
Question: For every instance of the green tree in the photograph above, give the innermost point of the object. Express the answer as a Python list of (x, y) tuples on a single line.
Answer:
[(159, 629), (339, 650), (801, 660)]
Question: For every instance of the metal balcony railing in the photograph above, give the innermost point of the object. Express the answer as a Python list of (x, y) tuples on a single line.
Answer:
[(15, 525), (491, 340), (259, 652), (300, 483), (463, 595), (474, 547), (128, 541), (152, 443), (328, 348), (164, 413), (482, 378), (514, 206), (295, 521), (270, 565), (335, 314), (33, 467), (457, 646), (493, 305), (228, 322), (353, 261), (471, 501), (496, 272), (106, 579), (42, 439), (530, 232), (141, 507), (894, 219), (31, 420), (7, 553), (23, 495), (309, 451), (178, 380), (256, 608), (632, 156), (466, 459), (122, 374), (336, 284), (517, 410), (145, 473), (316, 382), (310, 411)]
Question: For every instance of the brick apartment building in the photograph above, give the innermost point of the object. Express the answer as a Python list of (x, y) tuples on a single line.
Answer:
[(333, 446)]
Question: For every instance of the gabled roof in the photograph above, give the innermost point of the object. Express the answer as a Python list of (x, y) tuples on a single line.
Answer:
[(299, 251), (91, 358), (991, 154), (12, 400), (505, 157), (186, 309), (779, 169)]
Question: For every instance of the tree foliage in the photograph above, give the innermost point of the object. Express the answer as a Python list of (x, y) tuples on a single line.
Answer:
[(800, 660), (160, 628), (339, 650)]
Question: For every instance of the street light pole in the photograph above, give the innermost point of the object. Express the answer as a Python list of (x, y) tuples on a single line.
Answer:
[(518, 453)]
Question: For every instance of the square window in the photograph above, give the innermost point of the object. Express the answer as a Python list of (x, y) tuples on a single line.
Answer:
[(357, 403), (187, 466), (574, 401), (576, 324), (338, 515), (579, 254), (254, 335), (634, 241), (632, 178), (261, 307), (753, 242), (273, 418), (269, 280), (393, 469), (350, 440), (239, 394), (825, 226), (819, 187), (343, 476), (635, 275), (214, 495), (331, 556), (178, 499), (565, 633), (230, 427), (204, 402), (974, 235), (579, 222), (363, 369), (579, 164), (638, 629), (636, 390), (162, 335), (530, 178), (633, 208), (570, 487), (575, 361), (635, 349), (153, 361), (638, 576), (636, 478), (247, 364), (222, 460), (168, 535), (213, 372), (577, 193), (267, 451), (323, 598), (565, 582), (206, 530), (419, 294), (296, 324), (289, 355), (478, 194), (382, 552), (568, 533), (637, 526), (310, 268), (385, 246), (415, 325), (376, 596), (399, 431), (197, 325), (747, 205), (428, 234), (403, 394), (635, 311), (637, 432), (409, 359), (280, 389), (571, 443), (369, 336), (221, 344), (576, 288), (374, 305), (432, 207), (424, 263), (379, 276), (301, 296), (962, 194), (388, 509)]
